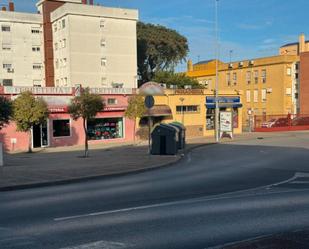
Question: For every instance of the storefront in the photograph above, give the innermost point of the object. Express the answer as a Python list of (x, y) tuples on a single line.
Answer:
[(60, 129)]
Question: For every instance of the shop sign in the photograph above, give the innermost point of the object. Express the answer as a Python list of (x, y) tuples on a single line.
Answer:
[(38, 90), (58, 109), (115, 108), (151, 88), (102, 91), (223, 102), (189, 91)]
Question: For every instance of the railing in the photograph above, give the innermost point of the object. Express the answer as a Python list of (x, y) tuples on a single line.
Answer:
[(283, 122)]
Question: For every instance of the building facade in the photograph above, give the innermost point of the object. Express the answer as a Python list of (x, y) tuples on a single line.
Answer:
[(270, 85), (70, 42), (22, 50)]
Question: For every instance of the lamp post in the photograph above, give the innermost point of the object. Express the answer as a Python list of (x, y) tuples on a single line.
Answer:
[(217, 76), (182, 111)]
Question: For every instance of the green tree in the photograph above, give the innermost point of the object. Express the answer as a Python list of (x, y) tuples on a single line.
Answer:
[(158, 48), (29, 111), (178, 79), (136, 109), (86, 106), (6, 111)]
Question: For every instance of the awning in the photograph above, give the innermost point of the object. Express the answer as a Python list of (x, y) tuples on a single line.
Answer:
[(159, 111)]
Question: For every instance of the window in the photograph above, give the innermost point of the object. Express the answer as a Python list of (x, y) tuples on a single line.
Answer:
[(102, 23), (36, 49), (228, 79), (6, 47), (117, 85), (248, 95), (256, 76), (55, 27), (7, 82), (56, 46), (105, 128), (37, 66), (61, 128), (57, 63), (63, 23), (264, 76), (289, 71), (256, 96), (235, 79), (248, 77), (65, 81), (112, 101), (5, 28), (7, 66), (210, 119), (187, 108), (64, 43), (64, 62), (103, 81), (103, 62), (263, 95), (296, 75), (296, 66), (103, 42), (35, 30), (37, 83)]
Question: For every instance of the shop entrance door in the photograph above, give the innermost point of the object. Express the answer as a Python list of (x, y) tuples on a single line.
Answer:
[(40, 135)]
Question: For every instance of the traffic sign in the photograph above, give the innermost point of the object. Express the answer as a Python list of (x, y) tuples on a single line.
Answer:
[(149, 101)]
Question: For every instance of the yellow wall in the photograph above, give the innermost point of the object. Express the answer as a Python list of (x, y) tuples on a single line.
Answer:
[(194, 122), (278, 82)]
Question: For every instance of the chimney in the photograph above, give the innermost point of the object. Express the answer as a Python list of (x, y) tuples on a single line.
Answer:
[(11, 6), (302, 43), (3, 8)]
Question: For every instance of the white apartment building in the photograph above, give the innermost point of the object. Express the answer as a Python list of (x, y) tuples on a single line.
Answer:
[(92, 45), (21, 51)]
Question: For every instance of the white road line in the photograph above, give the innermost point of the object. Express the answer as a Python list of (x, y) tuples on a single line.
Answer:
[(98, 245)]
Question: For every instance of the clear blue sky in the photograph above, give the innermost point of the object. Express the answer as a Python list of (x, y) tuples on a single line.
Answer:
[(251, 28)]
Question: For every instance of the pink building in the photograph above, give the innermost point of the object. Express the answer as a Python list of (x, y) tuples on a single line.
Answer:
[(61, 130)]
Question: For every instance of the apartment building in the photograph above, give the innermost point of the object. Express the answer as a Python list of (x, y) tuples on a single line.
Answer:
[(22, 50), (70, 42), (270, 85)]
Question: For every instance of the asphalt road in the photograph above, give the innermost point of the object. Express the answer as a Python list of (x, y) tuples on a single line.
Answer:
[(216, 195)]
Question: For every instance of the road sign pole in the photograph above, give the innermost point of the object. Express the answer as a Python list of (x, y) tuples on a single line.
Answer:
[(149, 103)]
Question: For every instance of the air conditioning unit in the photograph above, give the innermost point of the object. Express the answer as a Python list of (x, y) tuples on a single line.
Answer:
[(163, 85), (10, 70), (188, 87), (269, 90), (173, 86), (231, 65), (241, 64), (251, 63)]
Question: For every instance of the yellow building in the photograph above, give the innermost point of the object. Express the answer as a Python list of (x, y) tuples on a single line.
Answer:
[(269, 85), (195, 109)]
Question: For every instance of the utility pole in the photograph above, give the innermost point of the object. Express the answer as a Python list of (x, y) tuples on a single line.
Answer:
[(217, 75)]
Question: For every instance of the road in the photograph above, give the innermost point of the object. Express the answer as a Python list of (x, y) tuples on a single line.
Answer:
[(218, 194)]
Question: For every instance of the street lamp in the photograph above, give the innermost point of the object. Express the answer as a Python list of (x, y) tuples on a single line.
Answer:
[(182, 111), (217, 76)]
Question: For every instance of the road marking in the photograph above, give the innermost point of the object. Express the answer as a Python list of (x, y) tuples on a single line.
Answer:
[(98, 245)]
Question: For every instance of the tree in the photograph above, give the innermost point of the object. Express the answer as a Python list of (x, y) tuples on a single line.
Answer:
[(29, 111), (85, 106), (158, 48), (136, 109), (6, 111), (178, 79)]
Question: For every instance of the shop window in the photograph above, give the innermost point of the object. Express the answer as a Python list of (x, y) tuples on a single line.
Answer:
[(105, 128), (187, 109), (61, 128), (235, 117), (112, 101), (210, 119)]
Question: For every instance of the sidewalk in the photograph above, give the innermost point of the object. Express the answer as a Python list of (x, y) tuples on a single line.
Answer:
[(65, 164)]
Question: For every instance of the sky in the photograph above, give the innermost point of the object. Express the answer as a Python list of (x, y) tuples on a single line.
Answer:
[(249, 28)]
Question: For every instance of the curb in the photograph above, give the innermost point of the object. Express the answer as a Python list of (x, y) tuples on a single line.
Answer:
[(99, 177)]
